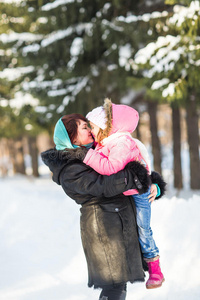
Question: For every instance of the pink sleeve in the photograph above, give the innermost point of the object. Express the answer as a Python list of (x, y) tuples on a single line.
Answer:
[(121, 153)]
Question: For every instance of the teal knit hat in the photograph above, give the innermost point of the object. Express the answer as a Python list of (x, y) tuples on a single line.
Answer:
[(61, 137)]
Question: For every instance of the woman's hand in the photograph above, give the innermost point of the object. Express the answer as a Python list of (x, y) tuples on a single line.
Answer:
[(153, 193), (157, 179)]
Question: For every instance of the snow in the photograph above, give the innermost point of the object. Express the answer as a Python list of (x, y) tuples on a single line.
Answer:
[(112, 25), (169, 90), (54, 36), (42, 84), (10, 1), (194, 47), (75, 50), (112, 67), (66, 100), (162, 55), (42, 20), (124, 54), (31, 48), (145, 17), (196, 63), (55, 93), (181, 13), (82, 82), (76, 46), (41, 252), (14, 36), (106, 7), (20, 100), (41, 109), (159, 83), (55, 4), (169, 41), (14, 73)]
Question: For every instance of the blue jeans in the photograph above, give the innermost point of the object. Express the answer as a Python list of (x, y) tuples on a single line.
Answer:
[(143, 210)]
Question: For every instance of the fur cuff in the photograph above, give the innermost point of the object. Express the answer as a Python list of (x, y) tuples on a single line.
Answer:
[(140, 176)]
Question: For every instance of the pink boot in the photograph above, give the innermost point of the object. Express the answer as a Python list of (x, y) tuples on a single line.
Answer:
[(156, 277)]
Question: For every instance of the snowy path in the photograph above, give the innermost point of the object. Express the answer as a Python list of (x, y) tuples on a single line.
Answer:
[(41, 256)]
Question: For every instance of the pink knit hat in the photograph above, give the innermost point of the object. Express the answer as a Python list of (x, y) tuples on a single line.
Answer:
[(98, 117)]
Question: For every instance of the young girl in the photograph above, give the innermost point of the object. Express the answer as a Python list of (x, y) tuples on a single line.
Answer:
[(111, 126)]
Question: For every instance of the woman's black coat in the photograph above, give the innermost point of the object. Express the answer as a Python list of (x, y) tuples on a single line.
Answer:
[(108, 224)]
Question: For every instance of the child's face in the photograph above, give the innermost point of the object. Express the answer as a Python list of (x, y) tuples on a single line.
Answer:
[(95, 130)]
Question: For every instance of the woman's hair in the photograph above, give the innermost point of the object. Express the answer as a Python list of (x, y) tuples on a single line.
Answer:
[(70, 122)]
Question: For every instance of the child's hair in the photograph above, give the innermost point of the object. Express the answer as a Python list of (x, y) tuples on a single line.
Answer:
[(100, 136)]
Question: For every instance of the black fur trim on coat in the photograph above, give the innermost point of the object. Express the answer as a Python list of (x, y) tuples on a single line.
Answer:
[(78, 153), (140, 176), (156, 178)]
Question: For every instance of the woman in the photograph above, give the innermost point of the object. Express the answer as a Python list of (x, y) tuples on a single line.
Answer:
[(108, 226)]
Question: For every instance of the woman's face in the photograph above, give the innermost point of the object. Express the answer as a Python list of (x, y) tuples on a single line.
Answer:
[(95, 130), (84, 135)]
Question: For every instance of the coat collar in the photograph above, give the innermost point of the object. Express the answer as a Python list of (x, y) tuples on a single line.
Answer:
[(114, 136)]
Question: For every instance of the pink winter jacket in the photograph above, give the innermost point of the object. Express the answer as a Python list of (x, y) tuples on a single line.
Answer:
[(119, 148)]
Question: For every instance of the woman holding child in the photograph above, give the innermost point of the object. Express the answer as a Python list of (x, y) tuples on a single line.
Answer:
[(108, 217)]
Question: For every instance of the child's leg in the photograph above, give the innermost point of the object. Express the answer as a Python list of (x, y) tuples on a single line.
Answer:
[(143, 210), (147, 243)]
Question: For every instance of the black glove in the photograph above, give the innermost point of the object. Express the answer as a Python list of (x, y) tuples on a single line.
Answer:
[(156, 178), (140, 176), (73, 154)]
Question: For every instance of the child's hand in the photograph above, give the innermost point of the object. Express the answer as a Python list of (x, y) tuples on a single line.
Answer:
[(153, 193)]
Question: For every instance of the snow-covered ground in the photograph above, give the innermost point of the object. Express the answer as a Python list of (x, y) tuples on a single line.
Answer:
[(41, 256)]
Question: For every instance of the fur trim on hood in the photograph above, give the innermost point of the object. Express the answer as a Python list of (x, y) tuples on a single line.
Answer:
[(120, 118)]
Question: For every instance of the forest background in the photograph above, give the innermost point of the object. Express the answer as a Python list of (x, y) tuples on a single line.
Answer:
[(64, 56)]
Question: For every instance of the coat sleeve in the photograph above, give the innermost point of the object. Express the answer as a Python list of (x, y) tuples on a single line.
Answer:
[(121, 153), (82, 180)]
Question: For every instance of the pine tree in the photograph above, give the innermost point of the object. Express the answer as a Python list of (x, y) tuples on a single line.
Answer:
[(74, 52), (18, 114), (149, 16), (169, 67)]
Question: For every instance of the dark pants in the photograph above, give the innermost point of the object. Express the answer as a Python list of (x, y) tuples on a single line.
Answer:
[(117, 292)]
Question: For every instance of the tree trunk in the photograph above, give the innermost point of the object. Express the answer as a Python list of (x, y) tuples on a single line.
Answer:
[(4, 158), (156, 148), (33, 151), (176, 132), (17, 156), (193, 141), (138, 132)]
